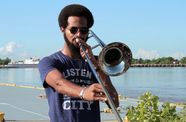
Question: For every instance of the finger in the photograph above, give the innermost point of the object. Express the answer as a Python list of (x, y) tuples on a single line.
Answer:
[(98, 88), (97, 85), (98, 94), (101, 98), (101, 93)]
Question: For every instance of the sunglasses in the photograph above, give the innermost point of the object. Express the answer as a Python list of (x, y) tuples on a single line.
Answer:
[(82, 30)]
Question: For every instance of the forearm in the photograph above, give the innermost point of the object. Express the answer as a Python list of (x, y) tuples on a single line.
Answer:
[(56, 80), (66, 87)]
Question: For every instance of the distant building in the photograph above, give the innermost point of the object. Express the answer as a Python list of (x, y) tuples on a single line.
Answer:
[(31, 61), (27, 61)]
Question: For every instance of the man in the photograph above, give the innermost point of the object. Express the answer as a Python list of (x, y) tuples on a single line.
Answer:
[(71, 88)]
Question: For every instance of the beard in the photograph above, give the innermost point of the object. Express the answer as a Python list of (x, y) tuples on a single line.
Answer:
[(72, 47)]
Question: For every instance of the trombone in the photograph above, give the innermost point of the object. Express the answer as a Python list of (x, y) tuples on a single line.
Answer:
[(114, 59)]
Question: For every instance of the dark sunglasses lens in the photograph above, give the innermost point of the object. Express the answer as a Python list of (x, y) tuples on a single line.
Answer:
[(74, 30), (84, 30)]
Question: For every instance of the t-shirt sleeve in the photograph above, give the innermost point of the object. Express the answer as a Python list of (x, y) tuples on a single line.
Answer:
[(45, 66)]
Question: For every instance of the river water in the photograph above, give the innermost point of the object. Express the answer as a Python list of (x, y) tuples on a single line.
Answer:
[(169, 83)]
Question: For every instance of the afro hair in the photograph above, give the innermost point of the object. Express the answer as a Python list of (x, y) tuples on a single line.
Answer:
[(75, 10)]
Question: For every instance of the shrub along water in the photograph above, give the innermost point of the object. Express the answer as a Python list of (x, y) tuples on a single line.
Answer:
[(149, 110)]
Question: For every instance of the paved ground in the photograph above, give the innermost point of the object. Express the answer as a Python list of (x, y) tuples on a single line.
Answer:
[(21, 104)]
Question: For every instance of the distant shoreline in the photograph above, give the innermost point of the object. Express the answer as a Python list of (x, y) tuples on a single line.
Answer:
[(132, 65), (19, 66), (158, 65), (21, 86)]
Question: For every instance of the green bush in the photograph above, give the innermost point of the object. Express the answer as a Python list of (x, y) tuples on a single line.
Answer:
[(149, 110), (182, 114)]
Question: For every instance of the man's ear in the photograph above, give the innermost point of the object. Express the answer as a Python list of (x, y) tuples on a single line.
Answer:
[(62, 29)]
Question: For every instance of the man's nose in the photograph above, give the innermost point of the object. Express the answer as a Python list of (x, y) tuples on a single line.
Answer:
[(78, 33)]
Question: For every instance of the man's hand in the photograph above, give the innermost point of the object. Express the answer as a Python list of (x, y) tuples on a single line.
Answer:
[(94, 92)]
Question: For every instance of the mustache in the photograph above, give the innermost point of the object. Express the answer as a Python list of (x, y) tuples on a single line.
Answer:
[(78, 40), (77, 37)]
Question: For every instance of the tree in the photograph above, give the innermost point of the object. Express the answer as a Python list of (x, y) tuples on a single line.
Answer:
[(183, 60), (5, 61)]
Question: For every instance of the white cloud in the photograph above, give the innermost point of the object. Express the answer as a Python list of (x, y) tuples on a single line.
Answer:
[(8, 48), (144, 54)]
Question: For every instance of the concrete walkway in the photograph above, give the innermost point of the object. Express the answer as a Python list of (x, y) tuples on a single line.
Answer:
[(22, 104)]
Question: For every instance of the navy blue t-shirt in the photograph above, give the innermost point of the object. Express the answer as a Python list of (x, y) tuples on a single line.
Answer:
[(63, 108)]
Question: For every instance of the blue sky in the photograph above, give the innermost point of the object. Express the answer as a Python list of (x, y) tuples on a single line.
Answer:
[(151, 28)]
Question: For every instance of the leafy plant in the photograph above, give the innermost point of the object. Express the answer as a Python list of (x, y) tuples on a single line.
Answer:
[(148, 110), (182, 114)]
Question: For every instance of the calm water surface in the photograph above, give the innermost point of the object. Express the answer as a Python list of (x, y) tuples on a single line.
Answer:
[(167, 83)]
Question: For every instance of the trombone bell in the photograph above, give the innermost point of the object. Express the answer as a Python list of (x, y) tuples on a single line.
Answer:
[(115, 58)]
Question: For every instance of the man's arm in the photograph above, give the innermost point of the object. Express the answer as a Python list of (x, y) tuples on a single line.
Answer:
[(56, 80)]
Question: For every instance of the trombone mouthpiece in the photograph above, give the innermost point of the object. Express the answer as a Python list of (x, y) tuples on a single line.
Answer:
[(78, 40)]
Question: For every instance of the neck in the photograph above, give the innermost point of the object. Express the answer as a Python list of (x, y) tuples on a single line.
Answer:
[(70, 53)]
